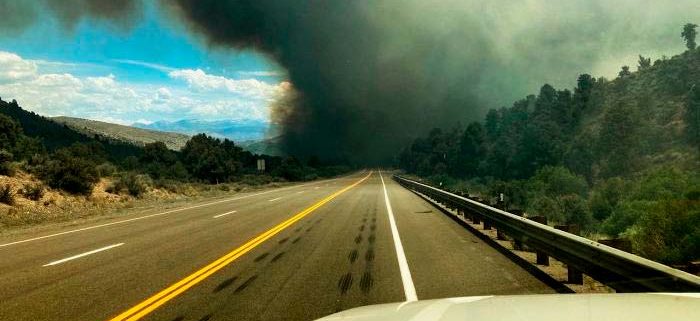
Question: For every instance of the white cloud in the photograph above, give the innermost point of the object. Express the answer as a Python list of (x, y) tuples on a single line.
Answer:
[(108, 98), (199, 80), (14, 68)]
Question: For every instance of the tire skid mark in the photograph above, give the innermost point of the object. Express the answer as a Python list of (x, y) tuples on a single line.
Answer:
[(358, 238), (261, 257), (225, 284), (345, 283), (277, 257), (369, 255), (245, 284), (353, 256), (366, 282)]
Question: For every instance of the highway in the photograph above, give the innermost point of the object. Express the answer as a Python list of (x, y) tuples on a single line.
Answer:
[(294, 253)]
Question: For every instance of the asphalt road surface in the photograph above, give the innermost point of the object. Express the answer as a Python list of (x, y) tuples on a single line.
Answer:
[(295, 253)]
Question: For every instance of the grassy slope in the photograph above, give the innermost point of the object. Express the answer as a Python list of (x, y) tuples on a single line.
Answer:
[(137, 136)]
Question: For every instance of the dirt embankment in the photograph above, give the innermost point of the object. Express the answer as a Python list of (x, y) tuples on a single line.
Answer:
[(57, 206)]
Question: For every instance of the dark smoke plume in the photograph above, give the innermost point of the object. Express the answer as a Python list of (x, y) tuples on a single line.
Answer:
[(19, 14), (359, 98)]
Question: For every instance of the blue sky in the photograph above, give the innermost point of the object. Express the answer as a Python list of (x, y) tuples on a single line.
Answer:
[(153, 70)]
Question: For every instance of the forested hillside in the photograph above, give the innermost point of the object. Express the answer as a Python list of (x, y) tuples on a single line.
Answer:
[(617, 157), (68, 160), (53, 135)]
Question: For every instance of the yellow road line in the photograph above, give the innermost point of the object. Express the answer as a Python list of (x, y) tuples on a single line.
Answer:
[(142, 309)]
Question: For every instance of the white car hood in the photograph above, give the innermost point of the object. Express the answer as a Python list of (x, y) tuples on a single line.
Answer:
[(554, 307)]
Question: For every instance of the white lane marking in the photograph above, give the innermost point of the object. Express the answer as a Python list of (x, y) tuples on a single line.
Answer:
[(408, 288), (274, 199), (83, 254), (224, 214), (299, 192), (148, 216)]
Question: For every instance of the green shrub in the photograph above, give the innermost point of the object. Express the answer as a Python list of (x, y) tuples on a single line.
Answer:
[(557, 181), (669, 232), (106, 169), (131, 183), (255, 180), (6, 167), (625, 215), (170, 185), (70, 173), (605, 197), (546, 206), (33, 192), (6, 195), (575, 211)]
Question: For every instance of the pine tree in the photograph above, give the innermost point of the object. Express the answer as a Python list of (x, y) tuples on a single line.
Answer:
[(689, 33)]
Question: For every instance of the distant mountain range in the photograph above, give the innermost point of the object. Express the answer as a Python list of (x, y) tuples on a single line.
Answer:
[(248, 134), (132, 135), (236, 130)]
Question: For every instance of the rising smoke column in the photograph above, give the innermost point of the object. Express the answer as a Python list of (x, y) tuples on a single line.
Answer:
[(358, 98), (19, 14)]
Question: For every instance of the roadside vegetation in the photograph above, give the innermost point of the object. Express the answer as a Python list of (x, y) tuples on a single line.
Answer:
[(619, 158), (40, 157)]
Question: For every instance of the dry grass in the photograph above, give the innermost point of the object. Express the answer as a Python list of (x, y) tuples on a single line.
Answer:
[(57, 206)]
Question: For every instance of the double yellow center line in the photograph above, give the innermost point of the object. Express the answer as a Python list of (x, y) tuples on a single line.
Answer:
[(142, 309)]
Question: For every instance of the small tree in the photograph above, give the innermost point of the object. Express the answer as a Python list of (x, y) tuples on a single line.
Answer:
[(70, 172), (689, 33), (10, 131), (625, 71), (6, 163), (6, 195), (644, 63)]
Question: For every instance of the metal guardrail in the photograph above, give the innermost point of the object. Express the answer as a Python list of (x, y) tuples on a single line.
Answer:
[(622, 271)]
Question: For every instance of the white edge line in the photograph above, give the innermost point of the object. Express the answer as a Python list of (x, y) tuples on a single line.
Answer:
[(148, 216), (82, 254), (274, 199), (224, 214), (408, 288)]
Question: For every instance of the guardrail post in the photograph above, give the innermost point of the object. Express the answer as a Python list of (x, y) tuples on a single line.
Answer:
[(542, 258), (517, 244), (487, 224), (476, 219), (574, 275), (499, 235)]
